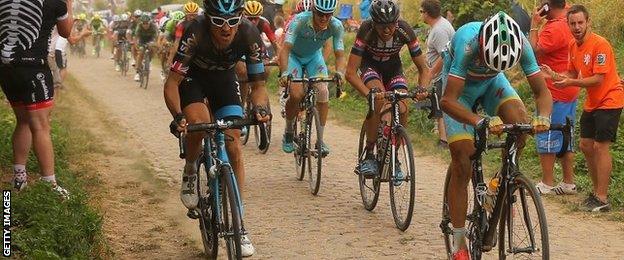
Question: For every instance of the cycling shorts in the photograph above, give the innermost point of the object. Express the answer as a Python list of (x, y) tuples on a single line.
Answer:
[(390, 73), (30, 87), (551, 141), (314, 66), (220, 88), (489, 93)]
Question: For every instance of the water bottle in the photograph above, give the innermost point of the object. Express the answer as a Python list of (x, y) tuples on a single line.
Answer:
[(212, 172), (490, 197)]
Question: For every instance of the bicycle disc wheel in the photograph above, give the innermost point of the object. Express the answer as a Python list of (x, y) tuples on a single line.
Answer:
[(231, 215), (402, 182), (525, 223), (446, 226), (207, 220), (300, 157), (315, 158), (369, 187)]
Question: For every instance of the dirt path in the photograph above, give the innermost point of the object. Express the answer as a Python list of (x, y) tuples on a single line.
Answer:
[(284, 219)]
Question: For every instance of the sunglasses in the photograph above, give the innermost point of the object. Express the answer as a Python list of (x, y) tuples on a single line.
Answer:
[(382, 26), (253, 18), (220, 22), (324, 15)]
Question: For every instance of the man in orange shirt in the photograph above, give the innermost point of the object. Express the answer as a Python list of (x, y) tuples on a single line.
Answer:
[(551, 47), (592, 67)]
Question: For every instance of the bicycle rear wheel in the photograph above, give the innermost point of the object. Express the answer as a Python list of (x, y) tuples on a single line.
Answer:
[(369, 187), (300, 158), (231, 214), (314, 141), (524, 219), (446, 226), (146, 68), (402, 182), (207, 216)]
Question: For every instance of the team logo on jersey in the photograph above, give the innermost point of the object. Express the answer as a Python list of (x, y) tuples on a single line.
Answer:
[(586, 59), (601, 59), (188, 44)]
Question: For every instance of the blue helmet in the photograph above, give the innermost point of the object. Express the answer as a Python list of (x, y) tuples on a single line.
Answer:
[(325, 6), (224, 7)]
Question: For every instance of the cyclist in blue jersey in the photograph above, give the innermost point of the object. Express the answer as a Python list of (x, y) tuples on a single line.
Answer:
[(477, 56), (305, 38)]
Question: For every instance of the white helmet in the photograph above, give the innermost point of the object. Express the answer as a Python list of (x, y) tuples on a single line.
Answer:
[(500, 39), (124, 17), (115, 18), (138, 12)]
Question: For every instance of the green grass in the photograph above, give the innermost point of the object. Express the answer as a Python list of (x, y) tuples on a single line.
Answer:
[(44, 226)]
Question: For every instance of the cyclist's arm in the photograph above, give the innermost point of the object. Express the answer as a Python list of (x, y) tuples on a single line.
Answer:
[(352, 76), (172, 96), (341, 61), (437, 67), (65, 25), (327, 48), (283, 57), (338, 45), (543, 98), (451, 106), (424, 77)]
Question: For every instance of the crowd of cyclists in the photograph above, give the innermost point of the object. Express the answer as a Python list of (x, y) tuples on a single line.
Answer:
[(211, 56)]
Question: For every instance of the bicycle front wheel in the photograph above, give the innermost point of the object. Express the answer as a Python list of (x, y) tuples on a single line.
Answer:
[(369, 187), (146, 69), (314, 142), (524, 219), (402, 182), (207, 216), (232, 222), (300, 157), (446, 226)]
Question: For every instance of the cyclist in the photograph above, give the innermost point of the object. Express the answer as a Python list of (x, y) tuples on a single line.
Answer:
[(200, 71), (305, 37), (111, 27), (80, 24), (191, 11), (134, 22), (98, 27), (121, 33), (145, 37), (376, 54), (479, 53)]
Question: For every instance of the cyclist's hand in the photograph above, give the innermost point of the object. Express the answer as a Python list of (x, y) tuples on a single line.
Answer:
[(421, 93), (340, 78), (494, 125), (262, 115), (178, 125), (540, 124), (283, 80)]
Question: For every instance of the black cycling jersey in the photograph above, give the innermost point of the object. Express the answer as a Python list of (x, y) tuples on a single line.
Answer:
[(198, 55), (121, 28), (25, 33), (368, 45)]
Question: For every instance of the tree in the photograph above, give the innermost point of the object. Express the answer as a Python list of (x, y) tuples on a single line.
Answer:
[(466, 11)]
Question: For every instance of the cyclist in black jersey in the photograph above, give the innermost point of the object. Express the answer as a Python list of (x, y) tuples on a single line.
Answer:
[(121, 32), (376, 54), (203, 69), (26, 79)]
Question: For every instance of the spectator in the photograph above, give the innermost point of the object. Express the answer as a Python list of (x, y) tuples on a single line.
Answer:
[(551, 47), (592, 66), (449, 16), (56, 76), (365, 6), (26, 80), (521, 16), (160, 14), (279, 26), (440, 34), (60, 54)]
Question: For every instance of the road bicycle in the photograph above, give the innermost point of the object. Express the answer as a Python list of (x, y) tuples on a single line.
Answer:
[(262, 131), (123, 61), (144, 70), (220, 208), (395, 157), (308, 138), (509, 200), (98, 43)]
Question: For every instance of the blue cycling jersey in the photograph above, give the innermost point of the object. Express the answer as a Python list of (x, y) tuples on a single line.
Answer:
[(464, 50), (307, 42)]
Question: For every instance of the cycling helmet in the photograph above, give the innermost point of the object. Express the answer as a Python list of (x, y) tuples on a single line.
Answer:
[(96, 17), (191, 8), (325, 6), (177, 16), (253, 8), (115, 18), (137, 13), (82, 16), (223, 7), (124, 17), (145, 18), (384, 11), (303, 6), (500, 42)]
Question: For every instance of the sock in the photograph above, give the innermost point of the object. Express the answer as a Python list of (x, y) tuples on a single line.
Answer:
[(290, 126), (19, 172), (190, 168), (459, 238), (50, 178)]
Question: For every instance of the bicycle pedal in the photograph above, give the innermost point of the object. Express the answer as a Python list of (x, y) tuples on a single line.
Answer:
[(192, 213)]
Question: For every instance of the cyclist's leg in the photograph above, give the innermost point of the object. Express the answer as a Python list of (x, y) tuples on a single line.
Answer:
[(316, 67), (295, 93), (373, 80), (139, 57)]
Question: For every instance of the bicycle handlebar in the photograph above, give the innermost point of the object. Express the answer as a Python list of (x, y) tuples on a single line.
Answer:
[(313, 80), (388, 95), (221, 125)]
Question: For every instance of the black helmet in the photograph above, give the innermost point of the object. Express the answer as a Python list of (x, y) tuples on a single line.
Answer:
[(224, 7), (384, 11)]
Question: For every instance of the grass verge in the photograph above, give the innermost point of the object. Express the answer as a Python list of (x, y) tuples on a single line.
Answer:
[(43, 225)]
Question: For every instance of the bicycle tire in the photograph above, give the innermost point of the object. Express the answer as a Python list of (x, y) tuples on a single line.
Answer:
[(207, 211), (300, 158), (146, 68), (526, 190), (314, 175), (402, 222), (248, 113), (369, 200), (446, 217), (231, 215), (262, 133)]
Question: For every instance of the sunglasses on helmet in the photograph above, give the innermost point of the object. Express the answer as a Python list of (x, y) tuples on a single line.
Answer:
[(220, 22)]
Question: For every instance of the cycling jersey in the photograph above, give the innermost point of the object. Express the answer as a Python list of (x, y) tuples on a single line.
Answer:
[(97, 25), (306, 42), (170, 28), (264, 26), (121, 28), (146, 35), (209, 72)]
